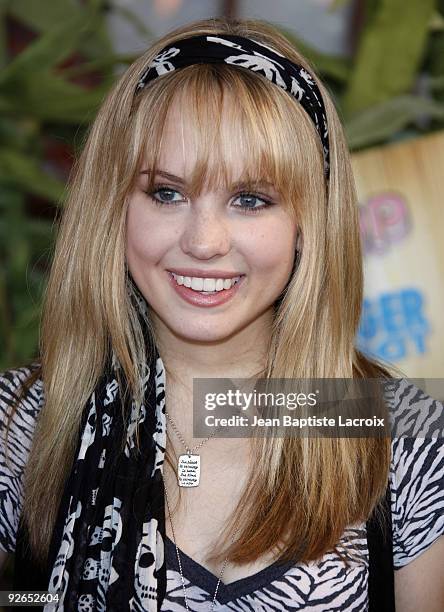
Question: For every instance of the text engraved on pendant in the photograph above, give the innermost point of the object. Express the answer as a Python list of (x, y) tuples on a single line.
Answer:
[(188, 470)]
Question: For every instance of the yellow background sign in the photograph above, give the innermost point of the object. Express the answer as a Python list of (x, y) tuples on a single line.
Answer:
[(400, 190)]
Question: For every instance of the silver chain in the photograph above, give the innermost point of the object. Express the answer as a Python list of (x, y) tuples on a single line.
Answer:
[(189, 452), (180, 564), (179, 435)]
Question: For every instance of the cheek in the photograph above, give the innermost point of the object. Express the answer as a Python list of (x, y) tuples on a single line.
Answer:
[(272, 250), (144, 245), (138, 248)]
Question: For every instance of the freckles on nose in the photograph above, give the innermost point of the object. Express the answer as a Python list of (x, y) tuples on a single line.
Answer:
[(205, 226)]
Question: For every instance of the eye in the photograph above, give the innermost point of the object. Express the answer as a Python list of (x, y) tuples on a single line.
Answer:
[(162, 194), (249, 202)]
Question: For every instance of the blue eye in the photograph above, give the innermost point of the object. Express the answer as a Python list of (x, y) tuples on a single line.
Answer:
[(249, 204), (167, 191)]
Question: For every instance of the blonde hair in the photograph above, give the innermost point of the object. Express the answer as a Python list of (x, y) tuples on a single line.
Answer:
[(303, 492)]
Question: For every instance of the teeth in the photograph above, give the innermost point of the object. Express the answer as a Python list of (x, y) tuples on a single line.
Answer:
[(197, 283), (209, 285)]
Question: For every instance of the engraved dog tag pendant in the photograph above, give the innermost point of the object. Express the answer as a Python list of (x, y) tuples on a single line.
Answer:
[(188, 470)]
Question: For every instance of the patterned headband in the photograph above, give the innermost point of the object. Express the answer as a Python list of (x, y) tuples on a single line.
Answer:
[(246, 53)]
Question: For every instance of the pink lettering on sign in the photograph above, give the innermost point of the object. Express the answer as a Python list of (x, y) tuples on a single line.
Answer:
[(384, 221)]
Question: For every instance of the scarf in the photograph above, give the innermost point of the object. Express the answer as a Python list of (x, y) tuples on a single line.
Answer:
[(107, 548)]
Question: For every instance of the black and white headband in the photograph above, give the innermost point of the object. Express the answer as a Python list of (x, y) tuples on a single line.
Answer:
[(246, 53)]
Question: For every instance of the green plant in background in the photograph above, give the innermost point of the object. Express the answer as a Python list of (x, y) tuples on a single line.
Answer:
[(48, 95), (393, 87)]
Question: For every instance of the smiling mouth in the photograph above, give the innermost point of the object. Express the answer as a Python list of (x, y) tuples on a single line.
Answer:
[(206, 286)]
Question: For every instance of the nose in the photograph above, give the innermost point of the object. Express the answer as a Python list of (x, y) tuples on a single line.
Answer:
[(206, 233)]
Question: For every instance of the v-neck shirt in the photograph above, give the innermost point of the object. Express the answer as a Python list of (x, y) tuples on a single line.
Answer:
[(200, 578), (316, 586)]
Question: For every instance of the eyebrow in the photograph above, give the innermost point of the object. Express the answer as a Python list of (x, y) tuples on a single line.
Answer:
[(181, 181)]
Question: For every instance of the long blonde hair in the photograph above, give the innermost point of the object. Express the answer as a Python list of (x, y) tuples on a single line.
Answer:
[(303, 492)]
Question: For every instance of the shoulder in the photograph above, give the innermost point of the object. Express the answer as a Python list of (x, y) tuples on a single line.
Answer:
[(21, 401), (417, 470), (15, 444), (13, 387), (413, 412)]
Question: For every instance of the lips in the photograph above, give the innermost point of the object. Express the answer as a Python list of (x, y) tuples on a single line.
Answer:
[(205, 299)]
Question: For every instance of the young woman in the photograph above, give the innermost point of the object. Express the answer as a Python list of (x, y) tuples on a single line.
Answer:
[(211, 231)]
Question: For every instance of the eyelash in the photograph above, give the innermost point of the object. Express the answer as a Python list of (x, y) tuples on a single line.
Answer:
[(245, 209)]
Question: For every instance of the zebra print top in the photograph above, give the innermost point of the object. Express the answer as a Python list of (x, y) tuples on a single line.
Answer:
[(417, 503)]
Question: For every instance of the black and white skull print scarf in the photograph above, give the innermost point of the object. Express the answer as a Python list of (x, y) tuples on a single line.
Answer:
[(107, 549)]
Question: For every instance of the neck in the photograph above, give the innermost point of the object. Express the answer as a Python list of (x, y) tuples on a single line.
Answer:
[(241, 355)]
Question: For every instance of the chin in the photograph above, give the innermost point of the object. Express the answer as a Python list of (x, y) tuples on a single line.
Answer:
[(203, 333)]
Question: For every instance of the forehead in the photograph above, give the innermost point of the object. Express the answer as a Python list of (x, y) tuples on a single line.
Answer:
[(210, 151), (188, 142)]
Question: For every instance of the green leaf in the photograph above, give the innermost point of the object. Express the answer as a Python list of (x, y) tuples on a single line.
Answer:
[(24, 171), (49, 49), (390, 51), (50, 98), (43, 16), (101, 63), (332, 66), (379, 123)]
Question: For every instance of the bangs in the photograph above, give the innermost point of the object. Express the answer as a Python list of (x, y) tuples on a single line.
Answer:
[(236, 116)]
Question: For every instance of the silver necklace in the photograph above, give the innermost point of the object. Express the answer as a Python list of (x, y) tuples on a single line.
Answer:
[(188, 466), (180, 564)]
